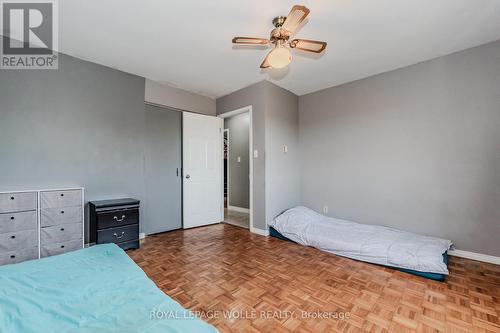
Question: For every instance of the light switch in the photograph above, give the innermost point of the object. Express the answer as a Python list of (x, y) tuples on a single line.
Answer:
[(285, 149), (255, 153), (239, 159)]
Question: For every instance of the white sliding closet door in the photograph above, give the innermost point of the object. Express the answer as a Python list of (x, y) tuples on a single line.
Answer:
[(202, 170)]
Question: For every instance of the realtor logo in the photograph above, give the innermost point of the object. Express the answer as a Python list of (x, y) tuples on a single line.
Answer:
[(29, 34)]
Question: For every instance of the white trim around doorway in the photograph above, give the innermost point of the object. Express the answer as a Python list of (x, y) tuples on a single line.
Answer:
[(250, 152), (226, 130)]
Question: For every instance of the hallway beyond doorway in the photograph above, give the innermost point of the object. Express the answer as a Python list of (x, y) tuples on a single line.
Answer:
[(236, 218)]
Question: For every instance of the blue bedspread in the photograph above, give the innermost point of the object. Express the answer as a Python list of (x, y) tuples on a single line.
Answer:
[(98, 289)]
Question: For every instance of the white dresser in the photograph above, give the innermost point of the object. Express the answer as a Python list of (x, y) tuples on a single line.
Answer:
[(40, 223)]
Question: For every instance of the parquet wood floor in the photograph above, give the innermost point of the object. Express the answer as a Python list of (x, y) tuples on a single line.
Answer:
[(222, 267)]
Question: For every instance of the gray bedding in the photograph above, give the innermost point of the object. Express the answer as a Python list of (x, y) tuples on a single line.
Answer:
[(371, 243)]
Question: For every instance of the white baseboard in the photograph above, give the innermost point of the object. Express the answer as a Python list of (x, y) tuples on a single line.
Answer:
[(259, 231), (239, 209), (142, 235), (475, 256)]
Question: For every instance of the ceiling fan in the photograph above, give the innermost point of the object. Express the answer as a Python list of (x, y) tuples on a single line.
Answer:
[(285, 27)]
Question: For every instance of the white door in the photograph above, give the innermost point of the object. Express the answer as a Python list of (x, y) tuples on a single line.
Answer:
[(202, 169)]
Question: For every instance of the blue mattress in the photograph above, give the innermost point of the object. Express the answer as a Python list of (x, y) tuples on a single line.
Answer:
[(434, 276), (98, 289)]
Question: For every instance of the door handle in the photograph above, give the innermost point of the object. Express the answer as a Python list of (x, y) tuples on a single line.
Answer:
[(188, 176)]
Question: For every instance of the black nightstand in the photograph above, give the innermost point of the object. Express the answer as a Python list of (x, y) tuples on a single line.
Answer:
[(115, 221)]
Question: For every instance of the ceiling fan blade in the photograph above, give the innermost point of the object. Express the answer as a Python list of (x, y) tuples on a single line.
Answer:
[(308, 45), (295, 17), (265, 63), (250, 40)]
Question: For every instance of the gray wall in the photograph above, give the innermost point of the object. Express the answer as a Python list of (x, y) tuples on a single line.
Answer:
[(81, 125), (176, 98), (239, 182), (282, 169), (416, 148), (253, 95), (274, 123)]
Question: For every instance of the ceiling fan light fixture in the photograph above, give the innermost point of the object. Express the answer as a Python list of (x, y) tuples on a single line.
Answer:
[(285, 28), (279, 57)]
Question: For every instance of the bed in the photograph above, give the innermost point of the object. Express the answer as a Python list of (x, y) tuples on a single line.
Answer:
[(97, 289), (412, 253)]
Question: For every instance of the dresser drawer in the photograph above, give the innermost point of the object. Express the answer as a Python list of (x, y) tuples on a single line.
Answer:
[(17, 202), (18, 240), (17, 221), (18, 256), (118, 235), (129, 245), (61, 233), (117, 218), (54, 249), (56, 216), (59, 199)]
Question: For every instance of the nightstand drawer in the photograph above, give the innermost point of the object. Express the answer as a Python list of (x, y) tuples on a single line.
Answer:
[(18, 202), (129, 245), (17, 221), (118, 235), (117, 218)]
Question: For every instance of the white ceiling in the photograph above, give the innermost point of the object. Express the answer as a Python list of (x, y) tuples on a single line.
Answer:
[(187, 44)]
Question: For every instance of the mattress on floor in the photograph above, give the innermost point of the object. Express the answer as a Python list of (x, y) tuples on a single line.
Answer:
[(98, 289), (428, 275), (371, 243)]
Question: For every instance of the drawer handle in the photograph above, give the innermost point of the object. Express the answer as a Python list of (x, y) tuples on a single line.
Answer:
[(12, 217), (62, 194), (116, 235), (12, 236), (62, 211), (119, 220), (12, 256), (62, 229), (12, 198), (62, 246)]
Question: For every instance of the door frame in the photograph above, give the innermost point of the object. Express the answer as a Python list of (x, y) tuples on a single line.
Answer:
[(250, 157), (226, 131)]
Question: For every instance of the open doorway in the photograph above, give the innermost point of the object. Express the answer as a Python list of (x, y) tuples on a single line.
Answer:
[(237, 168)]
